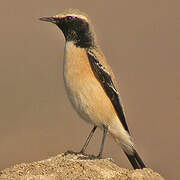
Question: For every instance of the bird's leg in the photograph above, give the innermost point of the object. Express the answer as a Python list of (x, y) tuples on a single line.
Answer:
[(88, 140), (105, 128)]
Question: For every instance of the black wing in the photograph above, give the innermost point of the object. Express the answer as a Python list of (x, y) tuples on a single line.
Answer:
[(105, 79)]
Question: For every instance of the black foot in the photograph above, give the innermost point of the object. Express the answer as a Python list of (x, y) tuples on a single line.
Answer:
[(84, 155), (71, 152)]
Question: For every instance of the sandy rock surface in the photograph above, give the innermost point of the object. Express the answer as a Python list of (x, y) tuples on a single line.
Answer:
[(67, 166)]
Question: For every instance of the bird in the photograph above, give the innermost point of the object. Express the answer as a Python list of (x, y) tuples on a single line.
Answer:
[(90, 83)]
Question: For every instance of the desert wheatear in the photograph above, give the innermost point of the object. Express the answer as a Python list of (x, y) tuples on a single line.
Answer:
[(90, 83)]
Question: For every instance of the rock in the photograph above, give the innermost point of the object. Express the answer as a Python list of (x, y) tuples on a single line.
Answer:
[(71, 165)]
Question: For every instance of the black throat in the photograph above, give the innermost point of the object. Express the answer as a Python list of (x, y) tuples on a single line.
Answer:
[(80, 39), (77, 31)]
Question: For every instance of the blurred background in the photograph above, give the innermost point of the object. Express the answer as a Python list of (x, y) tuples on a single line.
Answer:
[(141, 42)]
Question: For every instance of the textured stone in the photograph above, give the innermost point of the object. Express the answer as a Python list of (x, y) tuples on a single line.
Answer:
[(70, 165)]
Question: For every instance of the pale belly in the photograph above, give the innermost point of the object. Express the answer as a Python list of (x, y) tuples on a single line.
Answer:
[(90, 101)]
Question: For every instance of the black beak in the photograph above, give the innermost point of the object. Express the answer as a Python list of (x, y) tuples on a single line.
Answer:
[(49, 19)]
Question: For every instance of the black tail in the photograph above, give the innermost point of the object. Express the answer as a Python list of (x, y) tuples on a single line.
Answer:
[(135, 160)]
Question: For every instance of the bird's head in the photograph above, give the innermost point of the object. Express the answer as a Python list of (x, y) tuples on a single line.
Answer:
[(75, 26)]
